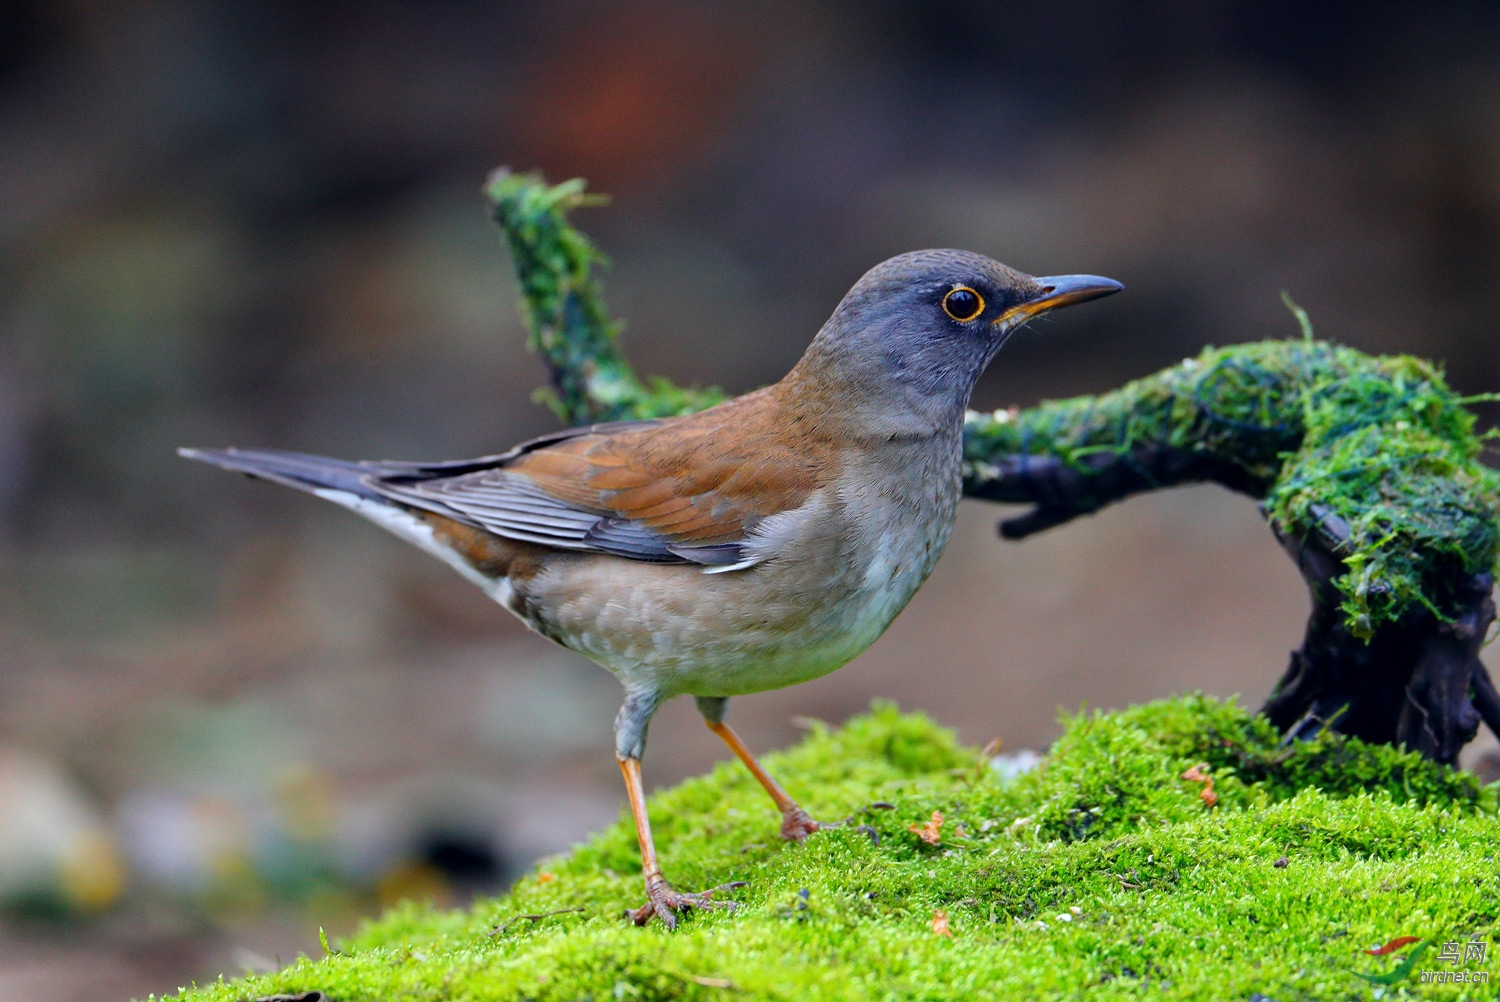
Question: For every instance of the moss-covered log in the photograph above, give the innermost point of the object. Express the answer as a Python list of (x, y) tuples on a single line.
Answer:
[(1367, 469)]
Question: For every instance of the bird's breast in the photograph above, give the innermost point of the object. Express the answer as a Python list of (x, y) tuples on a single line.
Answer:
[(900, 507)]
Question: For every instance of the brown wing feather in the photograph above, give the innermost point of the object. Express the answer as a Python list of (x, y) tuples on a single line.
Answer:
[(703, 479), (688, 489)]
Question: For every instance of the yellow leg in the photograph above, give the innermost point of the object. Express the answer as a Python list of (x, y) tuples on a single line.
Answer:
[(630, 768), (796, 824), (661, 900)]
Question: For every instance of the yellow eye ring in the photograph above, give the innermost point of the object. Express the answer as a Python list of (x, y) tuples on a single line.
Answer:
[(963, 304)]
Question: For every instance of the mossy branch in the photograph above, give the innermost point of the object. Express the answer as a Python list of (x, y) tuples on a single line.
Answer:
[(1366, 467), (564, 310), (1375, 455)]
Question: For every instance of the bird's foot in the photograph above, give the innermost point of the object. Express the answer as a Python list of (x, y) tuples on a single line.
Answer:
[(797, 824), (664, 902)]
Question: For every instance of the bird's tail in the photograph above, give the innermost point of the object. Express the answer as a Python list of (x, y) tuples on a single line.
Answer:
[(347, 484), (293, 469)]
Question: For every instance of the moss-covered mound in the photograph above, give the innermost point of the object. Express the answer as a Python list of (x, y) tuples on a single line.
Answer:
[(1171, 849)]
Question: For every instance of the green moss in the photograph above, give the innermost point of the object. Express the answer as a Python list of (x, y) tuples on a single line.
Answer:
[(1173, 897), (564, 310), (1379, 445)]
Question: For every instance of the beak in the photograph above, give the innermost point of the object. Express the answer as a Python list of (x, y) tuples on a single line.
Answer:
[(1059, 290)]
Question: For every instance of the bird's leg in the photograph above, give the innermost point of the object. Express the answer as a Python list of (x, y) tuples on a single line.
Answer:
[(796, 824), (662, 901)]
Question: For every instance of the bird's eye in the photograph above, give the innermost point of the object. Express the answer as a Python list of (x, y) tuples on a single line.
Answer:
[(963, 303)]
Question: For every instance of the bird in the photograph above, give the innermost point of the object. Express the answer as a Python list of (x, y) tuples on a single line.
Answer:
[(759, 543)]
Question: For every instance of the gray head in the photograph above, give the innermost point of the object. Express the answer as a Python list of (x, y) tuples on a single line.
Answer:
[(912, 336)]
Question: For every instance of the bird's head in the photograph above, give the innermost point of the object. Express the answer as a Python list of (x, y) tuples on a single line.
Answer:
[(912, 336)]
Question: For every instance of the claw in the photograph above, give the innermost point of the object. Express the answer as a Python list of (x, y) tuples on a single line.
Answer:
[(797, 824), (664, 902)]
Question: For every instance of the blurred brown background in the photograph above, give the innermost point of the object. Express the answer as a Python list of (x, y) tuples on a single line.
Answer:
[(229, 714)]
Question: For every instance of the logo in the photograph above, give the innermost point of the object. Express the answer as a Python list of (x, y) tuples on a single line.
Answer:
[(1451, 953)]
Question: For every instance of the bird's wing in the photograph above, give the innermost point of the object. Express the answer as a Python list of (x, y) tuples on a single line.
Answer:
[(686, 490)]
